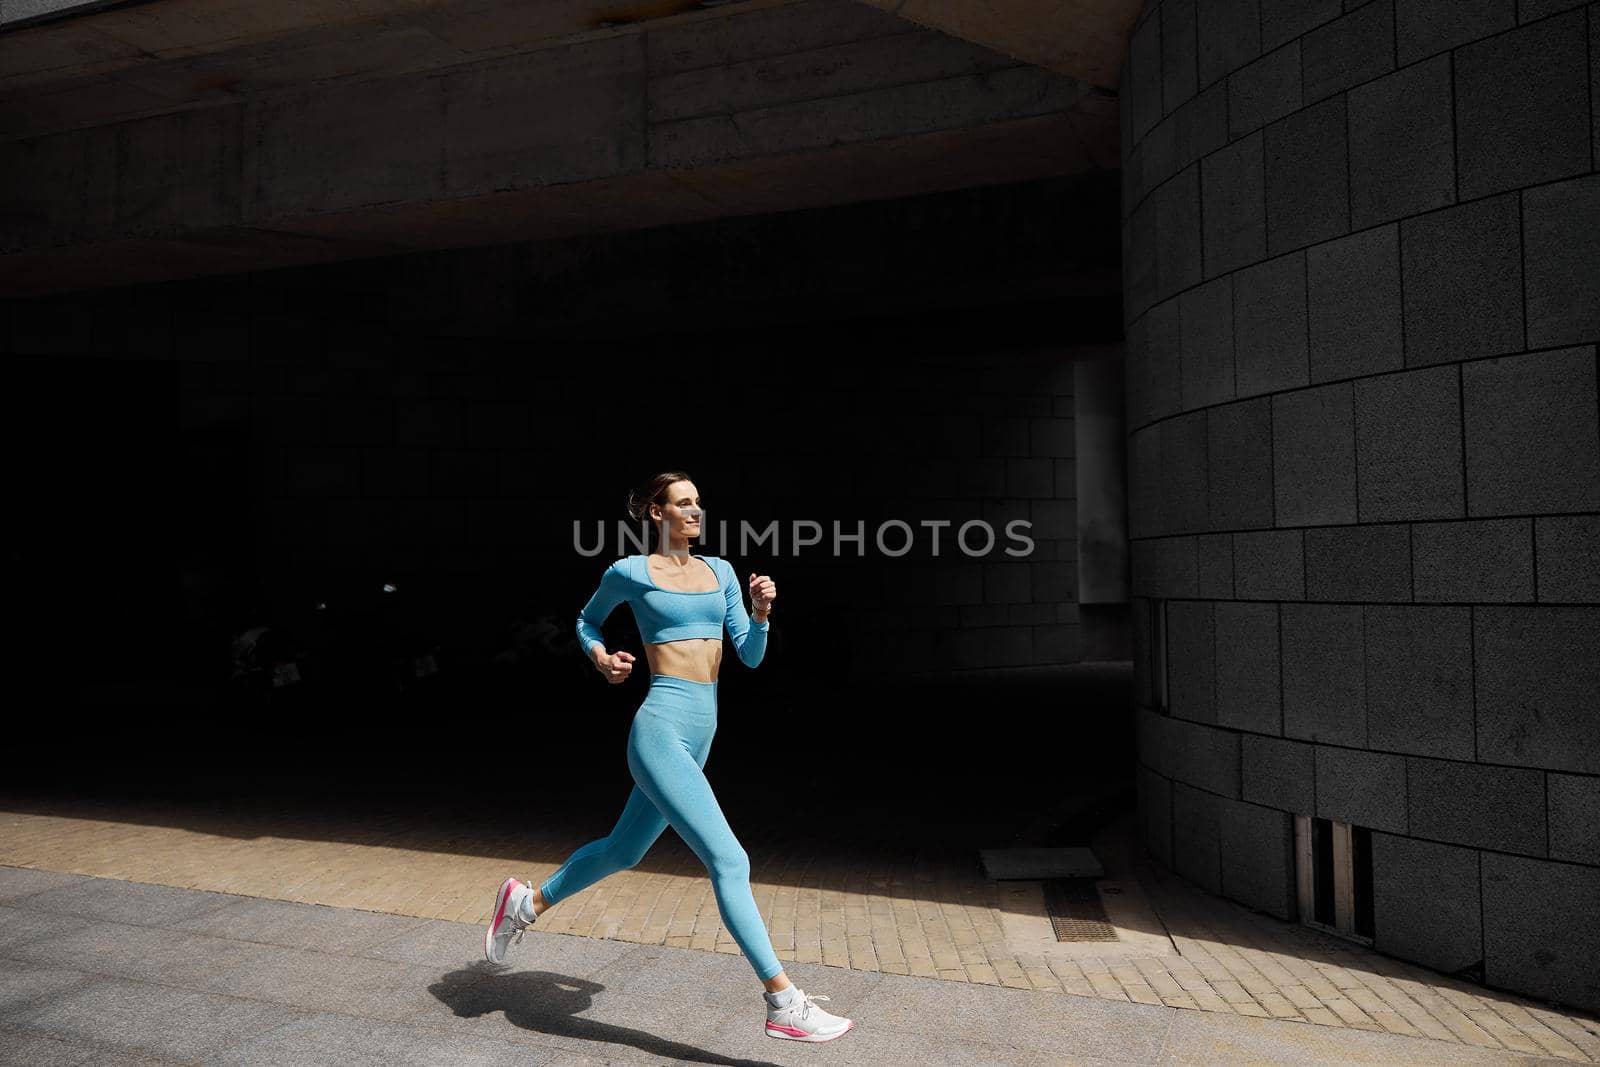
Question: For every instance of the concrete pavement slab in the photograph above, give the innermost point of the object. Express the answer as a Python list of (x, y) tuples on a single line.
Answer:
[(148, 905), (151, 1020), (40, 1050), (1203, 1039), (441, 943), (23, 983), (144, 953), (19, 927), (277, 922), (217, 997), (319, 1039), (20, 881)]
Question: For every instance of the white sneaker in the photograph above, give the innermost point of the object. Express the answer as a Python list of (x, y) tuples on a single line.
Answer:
[(803, 1020), (505, 919)]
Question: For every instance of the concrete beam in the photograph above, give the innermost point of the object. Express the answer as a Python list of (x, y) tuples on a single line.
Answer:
[(764, 109), (1082, 39)]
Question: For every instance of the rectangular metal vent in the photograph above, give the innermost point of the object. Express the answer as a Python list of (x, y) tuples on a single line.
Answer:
[(1075, 911)]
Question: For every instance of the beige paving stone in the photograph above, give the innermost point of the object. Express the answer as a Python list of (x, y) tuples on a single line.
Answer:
[(1558, 1036)]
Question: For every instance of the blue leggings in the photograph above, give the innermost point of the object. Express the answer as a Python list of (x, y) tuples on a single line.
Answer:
[(667, 750)]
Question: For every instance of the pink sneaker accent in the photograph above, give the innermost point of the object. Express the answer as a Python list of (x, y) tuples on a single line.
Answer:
[(497, 922)]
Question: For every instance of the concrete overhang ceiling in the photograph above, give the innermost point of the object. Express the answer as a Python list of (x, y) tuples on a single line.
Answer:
[(157, 139)]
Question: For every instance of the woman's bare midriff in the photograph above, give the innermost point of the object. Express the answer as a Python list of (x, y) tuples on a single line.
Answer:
[(696, 658)]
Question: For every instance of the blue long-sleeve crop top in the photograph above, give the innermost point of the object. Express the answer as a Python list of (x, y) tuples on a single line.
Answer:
[(670, 615)]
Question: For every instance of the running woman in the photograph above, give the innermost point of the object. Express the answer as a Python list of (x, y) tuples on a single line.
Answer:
[(681, 603)]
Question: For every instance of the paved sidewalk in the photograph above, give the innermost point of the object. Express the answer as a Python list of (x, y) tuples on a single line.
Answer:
[(114, 972), (878, 903)]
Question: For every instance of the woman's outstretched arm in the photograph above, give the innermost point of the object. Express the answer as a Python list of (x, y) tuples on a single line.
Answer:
[(749, 638), (613, 590)]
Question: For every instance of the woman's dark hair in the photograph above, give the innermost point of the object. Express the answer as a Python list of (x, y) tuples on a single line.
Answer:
[(653, 491)]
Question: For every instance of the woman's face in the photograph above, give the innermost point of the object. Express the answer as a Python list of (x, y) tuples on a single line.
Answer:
[(681, 512)]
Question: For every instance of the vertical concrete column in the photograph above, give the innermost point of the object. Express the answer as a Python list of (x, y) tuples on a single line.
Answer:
[(1102, 481)]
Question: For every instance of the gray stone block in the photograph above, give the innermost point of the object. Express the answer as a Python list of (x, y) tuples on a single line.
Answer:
[(1426, 902), (1561, 245), (1423, 27), (1269, 565), (1575, 818), (1362, 788), (1229, 36), (1533, 440), (1158, 742), (1144, 78), (1522, 108), (1197, 836), (1402, 154), (1473, 562), (1313, 456), (1159, 379), (1141, 248), (1528, 10), (1177, 232), (1239, 480), (1191, 660), (1353, 289), (1594, 75), (1258, 857), (1144, 468), (1461, 271), (1162, 151), (1164, 567), (1247, 669), (1324, 678), (1568, 550), (1348, 51), (1205, 325), (1202, 124), (1234, 206), (1179, 53), (1264, 91), (1206, 757), (1269, 326), (1408, 446), (1307, 184), (1367, 563), (1279, 773), (1537, 671), (1284, 20), (1155, 814), (1419, 680), (1214, 558), (1139, 641), (1183, 473), (1538, 928), (1484, 807)]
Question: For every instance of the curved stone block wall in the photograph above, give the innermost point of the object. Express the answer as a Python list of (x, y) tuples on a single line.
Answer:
[(1362, 300)]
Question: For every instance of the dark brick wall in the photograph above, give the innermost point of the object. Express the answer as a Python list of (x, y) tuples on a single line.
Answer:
[(441, 421), (1362, 307)]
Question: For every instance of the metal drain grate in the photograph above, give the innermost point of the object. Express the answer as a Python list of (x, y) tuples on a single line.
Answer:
[(1075, 911)]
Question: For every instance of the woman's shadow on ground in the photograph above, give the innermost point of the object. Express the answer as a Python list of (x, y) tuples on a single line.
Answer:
[(549, 1004)]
